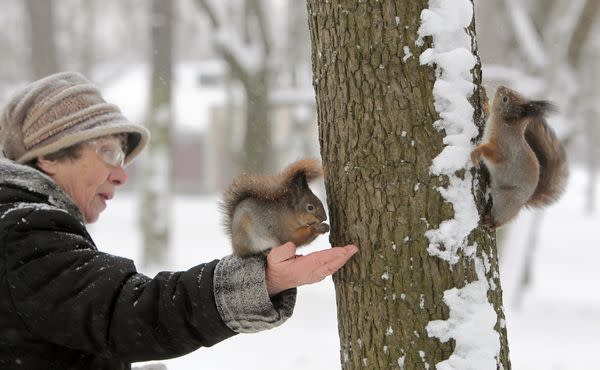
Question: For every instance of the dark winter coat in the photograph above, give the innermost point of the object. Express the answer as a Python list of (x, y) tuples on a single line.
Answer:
[(66, 305)]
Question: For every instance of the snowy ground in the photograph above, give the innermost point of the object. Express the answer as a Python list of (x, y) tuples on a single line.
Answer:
[(556, 328)]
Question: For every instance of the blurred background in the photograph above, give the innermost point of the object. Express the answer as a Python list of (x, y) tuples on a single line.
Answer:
[(226, 86)]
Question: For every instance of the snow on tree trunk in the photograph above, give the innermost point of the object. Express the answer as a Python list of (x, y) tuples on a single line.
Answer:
[(156, 164), (408, 300)]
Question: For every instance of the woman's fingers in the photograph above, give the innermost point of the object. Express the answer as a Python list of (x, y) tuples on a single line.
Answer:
[(281, 253), (329, 261), (287, 270)]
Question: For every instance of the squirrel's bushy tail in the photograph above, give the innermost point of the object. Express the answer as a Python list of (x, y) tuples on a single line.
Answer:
[(553, 164)]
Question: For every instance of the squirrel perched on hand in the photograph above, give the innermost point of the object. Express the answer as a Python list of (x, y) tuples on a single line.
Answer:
[(527, 163), (262, 212)]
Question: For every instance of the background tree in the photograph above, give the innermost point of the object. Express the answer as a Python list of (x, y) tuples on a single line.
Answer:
[(375, 109), (156, 164), (246, 48), (43, 47), (295, 63)]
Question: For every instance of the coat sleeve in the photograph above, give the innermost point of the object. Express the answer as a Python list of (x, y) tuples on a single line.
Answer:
[(69, 293), (242, 298)]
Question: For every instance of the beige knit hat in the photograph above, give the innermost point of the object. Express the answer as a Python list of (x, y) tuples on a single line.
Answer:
[(59, 111)]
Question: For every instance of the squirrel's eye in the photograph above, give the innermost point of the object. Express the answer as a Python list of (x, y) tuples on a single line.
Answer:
[(505, 99), (310, 208)]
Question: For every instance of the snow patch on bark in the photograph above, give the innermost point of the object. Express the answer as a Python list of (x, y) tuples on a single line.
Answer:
[(472, 318), (445, 22), (471, 325)]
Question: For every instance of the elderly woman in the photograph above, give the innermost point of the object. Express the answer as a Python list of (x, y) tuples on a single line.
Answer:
[(64, 304)]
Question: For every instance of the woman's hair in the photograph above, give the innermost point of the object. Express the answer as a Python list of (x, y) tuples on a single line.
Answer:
[(69, 153), (73, 152)]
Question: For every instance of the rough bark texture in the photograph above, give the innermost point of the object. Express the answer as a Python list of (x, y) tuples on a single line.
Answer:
[(156, 171), (375, 110)]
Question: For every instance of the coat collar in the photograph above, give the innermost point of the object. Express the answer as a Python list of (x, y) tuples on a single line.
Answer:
[(33, 181)]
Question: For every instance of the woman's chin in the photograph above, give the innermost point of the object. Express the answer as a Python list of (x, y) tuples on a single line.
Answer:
[(91, 218), (91, 215)]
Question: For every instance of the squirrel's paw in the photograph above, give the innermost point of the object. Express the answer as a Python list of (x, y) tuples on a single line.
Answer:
[(488, 222), (476, 157), (485, 102), (321, 228)]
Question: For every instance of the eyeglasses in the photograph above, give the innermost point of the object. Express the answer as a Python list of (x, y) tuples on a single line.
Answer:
[(109, 150)]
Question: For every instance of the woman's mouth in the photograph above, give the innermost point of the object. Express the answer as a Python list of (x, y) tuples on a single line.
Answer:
[(105, 197)]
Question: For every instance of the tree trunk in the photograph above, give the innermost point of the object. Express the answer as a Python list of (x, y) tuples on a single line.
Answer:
[(43, 46), (257, 152), (87, 38), (375, 110), (156, 165)]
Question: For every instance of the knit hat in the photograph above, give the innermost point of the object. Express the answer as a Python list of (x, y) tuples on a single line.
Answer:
[(59, 111)]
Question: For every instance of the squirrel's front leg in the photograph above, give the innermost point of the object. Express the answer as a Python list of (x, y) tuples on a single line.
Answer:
[(476, 155), (306, 234), (485, 102), (321, 228), (489, 151)]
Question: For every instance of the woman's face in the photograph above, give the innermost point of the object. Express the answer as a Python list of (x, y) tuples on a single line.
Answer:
[(91, 179)]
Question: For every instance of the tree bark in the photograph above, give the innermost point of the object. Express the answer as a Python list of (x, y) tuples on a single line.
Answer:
[(375, 110), (44, 60), (156, 165)]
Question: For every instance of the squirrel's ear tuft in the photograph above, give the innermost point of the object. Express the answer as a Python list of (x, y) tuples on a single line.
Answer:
[(297, 188), (295, 178), (537, 108), (299, 183)]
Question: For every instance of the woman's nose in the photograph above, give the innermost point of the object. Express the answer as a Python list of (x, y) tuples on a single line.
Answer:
[(117, 176)]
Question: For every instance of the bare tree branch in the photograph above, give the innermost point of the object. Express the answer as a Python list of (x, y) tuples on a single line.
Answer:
[(542, 14), (529, 40), (210, 12), (257, 7), (582, 31), (237, 68)]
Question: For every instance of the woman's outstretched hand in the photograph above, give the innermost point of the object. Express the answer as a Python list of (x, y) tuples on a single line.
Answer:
[(287, 270)]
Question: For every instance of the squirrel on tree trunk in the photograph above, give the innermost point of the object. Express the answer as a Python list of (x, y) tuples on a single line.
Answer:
[(525, 159)]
